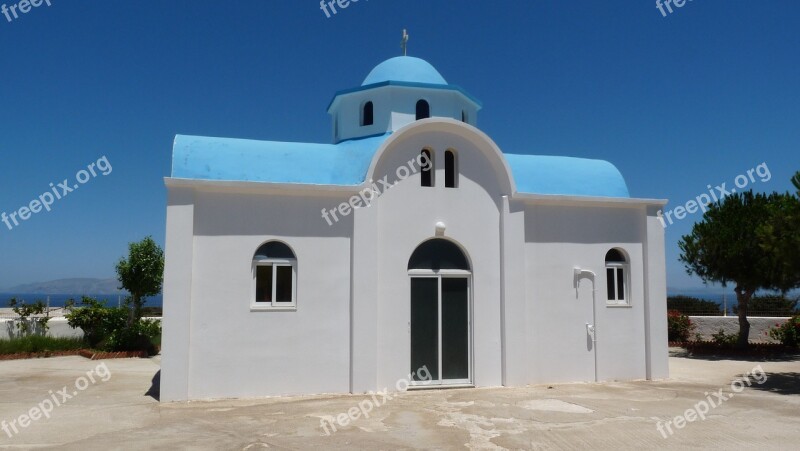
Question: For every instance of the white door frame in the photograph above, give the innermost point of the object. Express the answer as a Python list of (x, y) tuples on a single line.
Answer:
[(439, 275)]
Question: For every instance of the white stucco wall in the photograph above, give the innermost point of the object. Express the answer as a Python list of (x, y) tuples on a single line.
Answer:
[(394, 108), (558, 239), (655, 296), (243, 353)]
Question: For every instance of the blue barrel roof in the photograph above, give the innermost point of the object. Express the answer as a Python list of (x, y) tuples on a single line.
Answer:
[(347, 163)]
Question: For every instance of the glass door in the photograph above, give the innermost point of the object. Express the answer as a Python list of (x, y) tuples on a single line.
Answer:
[(440, 329)]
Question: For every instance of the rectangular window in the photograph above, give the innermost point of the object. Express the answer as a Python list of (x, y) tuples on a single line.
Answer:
[(275, 285), (616, 284)]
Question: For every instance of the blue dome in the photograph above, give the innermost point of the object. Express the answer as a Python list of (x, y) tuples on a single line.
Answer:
[(405, 69)]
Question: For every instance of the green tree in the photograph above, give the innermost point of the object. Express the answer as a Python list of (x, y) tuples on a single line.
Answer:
[(796, 181), (780, 238), (729, 245), (141, 274)]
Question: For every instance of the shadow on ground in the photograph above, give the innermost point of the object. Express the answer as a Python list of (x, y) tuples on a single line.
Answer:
[(744, 358), (155, 387), (781, 383)]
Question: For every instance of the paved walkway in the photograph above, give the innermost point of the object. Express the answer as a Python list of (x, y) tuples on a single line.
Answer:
[(118, 413)]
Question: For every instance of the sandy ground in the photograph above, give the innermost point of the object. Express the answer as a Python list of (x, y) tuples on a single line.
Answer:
[(122, 412)]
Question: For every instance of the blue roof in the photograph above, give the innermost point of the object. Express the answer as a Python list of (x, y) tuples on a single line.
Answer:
[(541, 174), (347, 163), (405, 69)]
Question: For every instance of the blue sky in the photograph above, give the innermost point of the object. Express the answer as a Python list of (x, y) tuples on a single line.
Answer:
[(676, 103)]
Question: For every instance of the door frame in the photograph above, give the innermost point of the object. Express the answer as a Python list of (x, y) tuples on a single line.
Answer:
[(439, 275)]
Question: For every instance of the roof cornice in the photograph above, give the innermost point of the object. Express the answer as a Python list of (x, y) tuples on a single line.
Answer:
[(407, 84), (557, 199)]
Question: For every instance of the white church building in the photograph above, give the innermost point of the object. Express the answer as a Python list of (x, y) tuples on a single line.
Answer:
[(410, 242)]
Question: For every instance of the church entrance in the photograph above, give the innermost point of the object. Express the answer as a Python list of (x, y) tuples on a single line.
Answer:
[(440, 323)]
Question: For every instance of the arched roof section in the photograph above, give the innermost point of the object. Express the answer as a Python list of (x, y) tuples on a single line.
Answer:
[(444, 125)]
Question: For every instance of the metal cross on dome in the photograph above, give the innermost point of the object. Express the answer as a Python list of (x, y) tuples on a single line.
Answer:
[(404, 42)]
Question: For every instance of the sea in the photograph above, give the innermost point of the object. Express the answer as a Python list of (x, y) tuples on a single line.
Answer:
[(725, 301), (58, 300)]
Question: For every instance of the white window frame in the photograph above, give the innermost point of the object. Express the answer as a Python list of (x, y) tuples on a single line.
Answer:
[(274, 304), (626, 292)]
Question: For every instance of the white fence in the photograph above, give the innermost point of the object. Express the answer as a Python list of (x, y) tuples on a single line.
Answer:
[(707, 326), (58, 327)]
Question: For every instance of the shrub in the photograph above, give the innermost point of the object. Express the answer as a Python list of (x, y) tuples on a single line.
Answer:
[(788, 333), (97, 321), (693, 306), (36, 343), (678, 326), (141, 335), (723, 339), (770, 305), (107, 329), (25, 324)]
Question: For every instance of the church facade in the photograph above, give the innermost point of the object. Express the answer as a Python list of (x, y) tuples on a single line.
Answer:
[(410, 248)]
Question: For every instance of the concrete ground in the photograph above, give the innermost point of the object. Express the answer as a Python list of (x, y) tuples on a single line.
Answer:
[(122, 413)]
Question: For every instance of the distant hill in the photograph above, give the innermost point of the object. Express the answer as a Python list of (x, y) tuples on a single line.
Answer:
[(70, 286)]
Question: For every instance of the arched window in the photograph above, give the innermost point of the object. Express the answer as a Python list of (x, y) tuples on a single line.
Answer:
[(427, 173), (437, 254), (450, 169), (367, 114), (275, 274), (617, 277), (423, 110)]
